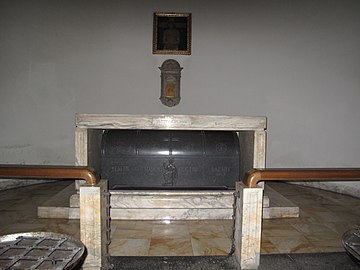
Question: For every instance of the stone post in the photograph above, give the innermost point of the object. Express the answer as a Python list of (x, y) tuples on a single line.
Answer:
[(248, 218), (94, 224)]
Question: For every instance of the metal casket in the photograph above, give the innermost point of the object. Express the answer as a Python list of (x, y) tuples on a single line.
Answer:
[(170, 159)]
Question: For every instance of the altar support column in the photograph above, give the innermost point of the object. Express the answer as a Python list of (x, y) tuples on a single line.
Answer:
[(94, 225), (248, 218)]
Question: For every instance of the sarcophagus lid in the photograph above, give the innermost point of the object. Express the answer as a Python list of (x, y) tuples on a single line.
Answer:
[(170, 159)]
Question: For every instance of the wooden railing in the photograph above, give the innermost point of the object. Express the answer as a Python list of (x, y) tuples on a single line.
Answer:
[(334, 174), (49, 172)]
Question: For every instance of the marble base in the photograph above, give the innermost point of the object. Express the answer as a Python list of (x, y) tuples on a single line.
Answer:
[(158, 205), (167, 199), (166, 214), (166, 205), (279, 206)]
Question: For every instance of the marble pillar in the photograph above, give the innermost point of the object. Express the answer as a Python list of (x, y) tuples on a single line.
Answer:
[(248, 217), (94, 225)]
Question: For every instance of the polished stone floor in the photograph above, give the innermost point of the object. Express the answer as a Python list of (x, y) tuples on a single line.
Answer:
[(324, 216)]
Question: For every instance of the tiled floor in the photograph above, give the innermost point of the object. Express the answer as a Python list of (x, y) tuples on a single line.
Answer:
[(324, 216)]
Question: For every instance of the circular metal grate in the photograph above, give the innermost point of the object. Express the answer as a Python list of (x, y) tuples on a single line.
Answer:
[(40, 250), (351, 243)]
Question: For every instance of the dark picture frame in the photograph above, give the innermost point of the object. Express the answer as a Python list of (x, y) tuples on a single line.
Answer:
[(172, 33)]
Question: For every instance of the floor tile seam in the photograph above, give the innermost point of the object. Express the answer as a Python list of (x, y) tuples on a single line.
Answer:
[(299, 229), (153, 249), (170, 236), (140, 237), (217, 239), (222, 236), (264, 252), (214, 228), (297, 249), (277, 232), (146, 253), (341, 207), (114, 240), (289, 249), (325, 243), (331, 228), (115, 249), (197, 252), (124, 230)]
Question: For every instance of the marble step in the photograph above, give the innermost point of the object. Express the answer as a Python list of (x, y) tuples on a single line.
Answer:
[(163, 205), (153, 205), (58, 205), (280, 206), (169, 199), (163, 214)]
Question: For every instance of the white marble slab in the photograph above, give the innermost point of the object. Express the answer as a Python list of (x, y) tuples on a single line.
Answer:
[(167, 199), (185, 200), (155, 205), (53, 212), (159, 201), (170, 214), (162, 214), (183, 122)]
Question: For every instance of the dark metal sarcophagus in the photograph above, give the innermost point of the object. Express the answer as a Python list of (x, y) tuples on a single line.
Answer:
[(162, 159)]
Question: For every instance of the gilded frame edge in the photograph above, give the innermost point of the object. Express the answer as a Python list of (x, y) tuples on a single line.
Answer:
[(155, 47)]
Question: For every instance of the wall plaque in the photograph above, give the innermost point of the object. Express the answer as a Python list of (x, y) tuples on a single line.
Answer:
[(170, 82)]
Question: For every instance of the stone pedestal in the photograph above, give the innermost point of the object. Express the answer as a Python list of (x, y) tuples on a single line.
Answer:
[(248, 217), (94, 224)]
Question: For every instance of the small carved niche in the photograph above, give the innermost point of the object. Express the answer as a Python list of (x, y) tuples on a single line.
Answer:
[(170, 83)]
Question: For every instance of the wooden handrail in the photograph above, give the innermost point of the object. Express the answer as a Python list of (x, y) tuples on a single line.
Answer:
[(49, 172), (334, 174)]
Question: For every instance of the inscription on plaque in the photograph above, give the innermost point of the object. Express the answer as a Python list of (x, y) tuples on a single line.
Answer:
[(120, 169), (168, 122), (220, 170), (151, 169), (188, 170)]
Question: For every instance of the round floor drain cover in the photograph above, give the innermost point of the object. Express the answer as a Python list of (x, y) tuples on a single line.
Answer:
[(40, 250)]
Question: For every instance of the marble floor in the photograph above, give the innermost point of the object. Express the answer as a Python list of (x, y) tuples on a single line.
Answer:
[(324, 216)]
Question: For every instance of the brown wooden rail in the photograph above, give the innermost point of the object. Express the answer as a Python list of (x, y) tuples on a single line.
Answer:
[(334, 174), (49, 172)]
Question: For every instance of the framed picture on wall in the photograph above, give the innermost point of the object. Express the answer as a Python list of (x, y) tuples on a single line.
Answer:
[(172, 33)]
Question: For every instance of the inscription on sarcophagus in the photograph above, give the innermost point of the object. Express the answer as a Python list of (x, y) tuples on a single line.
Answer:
[(170, 159)]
